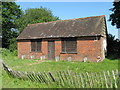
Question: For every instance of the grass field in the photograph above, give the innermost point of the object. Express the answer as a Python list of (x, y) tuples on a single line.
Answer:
[(39, 66)]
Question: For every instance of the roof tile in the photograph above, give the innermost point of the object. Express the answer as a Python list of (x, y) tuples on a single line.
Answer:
[(88, 26)]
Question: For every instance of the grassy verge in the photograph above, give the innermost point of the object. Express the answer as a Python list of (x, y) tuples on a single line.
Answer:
[(9, 82), (39, 66)]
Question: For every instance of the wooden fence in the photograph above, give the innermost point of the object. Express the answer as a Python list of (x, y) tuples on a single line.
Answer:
[(70, 79)]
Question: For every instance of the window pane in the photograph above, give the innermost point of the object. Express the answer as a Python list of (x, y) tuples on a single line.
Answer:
[(69, 45), (38, 45), (33, 46), (63, 46)]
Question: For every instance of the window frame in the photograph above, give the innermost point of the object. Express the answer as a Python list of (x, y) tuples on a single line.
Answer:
[(65, 48), (37, 42)]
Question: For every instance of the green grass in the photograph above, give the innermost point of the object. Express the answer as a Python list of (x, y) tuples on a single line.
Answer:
[(64, 65), (9, 82), (47, 65)]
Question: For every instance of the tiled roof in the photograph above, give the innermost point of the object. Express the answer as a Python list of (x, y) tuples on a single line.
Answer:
[(89, 26)]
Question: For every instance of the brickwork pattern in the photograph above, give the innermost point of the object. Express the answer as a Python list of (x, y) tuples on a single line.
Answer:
[(88, 49)]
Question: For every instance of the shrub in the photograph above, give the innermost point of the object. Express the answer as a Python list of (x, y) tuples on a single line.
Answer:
[(13, 45), (15, 53), (6, 52)]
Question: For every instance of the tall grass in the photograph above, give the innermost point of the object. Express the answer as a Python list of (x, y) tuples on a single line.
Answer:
[(11, 59)]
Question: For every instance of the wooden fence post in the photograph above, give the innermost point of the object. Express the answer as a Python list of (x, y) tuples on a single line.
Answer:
[(105, 80), (110, 79), (70, 79), (114, 79)]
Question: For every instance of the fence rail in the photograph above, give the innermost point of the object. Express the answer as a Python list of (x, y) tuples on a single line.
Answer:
[(69, 78)]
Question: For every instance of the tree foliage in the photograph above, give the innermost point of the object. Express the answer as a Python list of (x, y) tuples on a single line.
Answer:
[(113, 47), (115, 16), (14, 20), (35, 15), (10, 13)]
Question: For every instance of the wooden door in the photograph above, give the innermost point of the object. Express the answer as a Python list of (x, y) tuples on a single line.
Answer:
[(51, 50)]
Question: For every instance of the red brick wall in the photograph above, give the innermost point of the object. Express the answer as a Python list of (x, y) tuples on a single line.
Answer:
[(24, 50), (90, 49), (87, 48)]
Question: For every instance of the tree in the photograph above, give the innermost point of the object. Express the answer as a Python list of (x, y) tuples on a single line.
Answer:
[(115, 16), (35, 15), (14, 20), (10, 13), (113, 47)]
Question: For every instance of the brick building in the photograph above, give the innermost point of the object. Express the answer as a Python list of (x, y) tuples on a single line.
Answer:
[(81, 39)]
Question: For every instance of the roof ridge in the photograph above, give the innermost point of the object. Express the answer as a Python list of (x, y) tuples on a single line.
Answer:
[(66, 20)]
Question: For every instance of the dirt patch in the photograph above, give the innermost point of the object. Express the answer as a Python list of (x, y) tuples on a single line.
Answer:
[(29, 64), (34, 63)]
